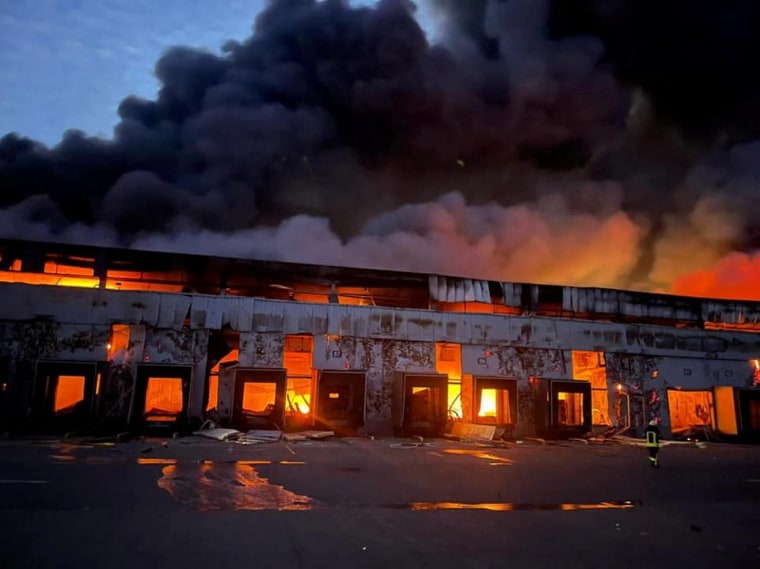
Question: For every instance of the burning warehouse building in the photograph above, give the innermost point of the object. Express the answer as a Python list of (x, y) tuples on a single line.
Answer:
[(102, 338)]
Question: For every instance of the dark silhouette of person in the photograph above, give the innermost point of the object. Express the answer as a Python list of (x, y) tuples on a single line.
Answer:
[(653, 437)]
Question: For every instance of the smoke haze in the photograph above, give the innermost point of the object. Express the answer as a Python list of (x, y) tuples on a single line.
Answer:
[(591, 143)]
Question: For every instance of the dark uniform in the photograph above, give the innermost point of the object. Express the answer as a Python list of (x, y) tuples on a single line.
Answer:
[(653, 438)]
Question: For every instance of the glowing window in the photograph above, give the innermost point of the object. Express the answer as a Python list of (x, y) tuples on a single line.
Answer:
[(298, 399), (591, 366), (690, 409), (258, 398), (163, 398), (69, 392), (569, 408), (494, 406)]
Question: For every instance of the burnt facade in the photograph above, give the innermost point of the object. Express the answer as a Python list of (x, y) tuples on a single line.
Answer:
[(96, 339)]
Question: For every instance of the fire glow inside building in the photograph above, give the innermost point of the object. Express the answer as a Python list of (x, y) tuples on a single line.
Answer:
[(97, 338)]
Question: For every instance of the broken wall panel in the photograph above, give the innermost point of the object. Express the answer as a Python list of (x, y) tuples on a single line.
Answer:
[(238, 313), (207, 312), (513, 294), (269, 316), (173, 310), (453, 289)]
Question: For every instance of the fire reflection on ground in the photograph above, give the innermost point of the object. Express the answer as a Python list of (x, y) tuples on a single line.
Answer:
[(209, 486), (496, 460), (510, 507)]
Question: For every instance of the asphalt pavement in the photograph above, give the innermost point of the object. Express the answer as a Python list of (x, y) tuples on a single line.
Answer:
[(360, 502)]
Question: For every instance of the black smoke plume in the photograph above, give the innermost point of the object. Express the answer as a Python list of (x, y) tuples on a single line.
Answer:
[(575, 141)]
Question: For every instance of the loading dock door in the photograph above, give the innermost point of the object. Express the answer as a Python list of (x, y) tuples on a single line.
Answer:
[(64, 393), (725, 410), (569, 407), (495, 401), (340, 400), (259, 401), (160, 397), (424, 409), (749, 414), (690, 410)]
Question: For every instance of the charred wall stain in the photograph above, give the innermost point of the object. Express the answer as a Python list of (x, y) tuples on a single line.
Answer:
[(633, 371), (91, 339), (268, 350), (526, 399), (401, 356), (167, 346), (537, 362), (30, 341)]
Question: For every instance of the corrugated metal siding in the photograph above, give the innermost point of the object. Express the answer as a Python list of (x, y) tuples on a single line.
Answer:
[(450, 289)]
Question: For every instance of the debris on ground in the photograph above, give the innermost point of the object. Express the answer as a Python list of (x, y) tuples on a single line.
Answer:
[(471, 432), (260, 436), (417, 441), (210, 430), (307, 435), (219, 434)]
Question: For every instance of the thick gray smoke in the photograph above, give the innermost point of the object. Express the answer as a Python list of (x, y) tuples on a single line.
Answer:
[(599, 142)]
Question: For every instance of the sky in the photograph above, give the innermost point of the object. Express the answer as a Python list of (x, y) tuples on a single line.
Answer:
[(69, 63), (607, 143)]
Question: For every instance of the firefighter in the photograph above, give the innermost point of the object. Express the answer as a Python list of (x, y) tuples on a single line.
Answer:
[(653, 437)]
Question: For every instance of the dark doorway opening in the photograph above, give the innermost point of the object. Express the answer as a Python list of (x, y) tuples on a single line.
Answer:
[(421, 404), (64, 394), (749, 414), (567, 411), (340, 401)]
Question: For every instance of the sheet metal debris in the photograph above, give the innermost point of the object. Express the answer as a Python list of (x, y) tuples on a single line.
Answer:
[(219, 434), (260, 436), (307, 435), (256, 436), (472, 432)]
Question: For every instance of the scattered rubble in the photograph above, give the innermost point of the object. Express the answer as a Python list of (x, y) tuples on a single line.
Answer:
[(471, 432), (255, 436), (219, 434)]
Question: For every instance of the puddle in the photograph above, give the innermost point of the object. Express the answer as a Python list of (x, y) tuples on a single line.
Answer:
[(513, 507), (210, 486), (149, 461), (495, 459)]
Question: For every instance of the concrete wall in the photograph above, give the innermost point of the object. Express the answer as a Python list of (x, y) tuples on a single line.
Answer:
[(54, 323)]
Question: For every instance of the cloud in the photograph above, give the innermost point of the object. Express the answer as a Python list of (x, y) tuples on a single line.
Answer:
[(529, 142)]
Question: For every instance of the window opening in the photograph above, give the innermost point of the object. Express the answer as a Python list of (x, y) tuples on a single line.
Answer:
[(69, 392), (590, 366), (163, 398)]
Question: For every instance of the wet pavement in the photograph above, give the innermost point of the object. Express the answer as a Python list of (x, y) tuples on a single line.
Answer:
[(195, 502)]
